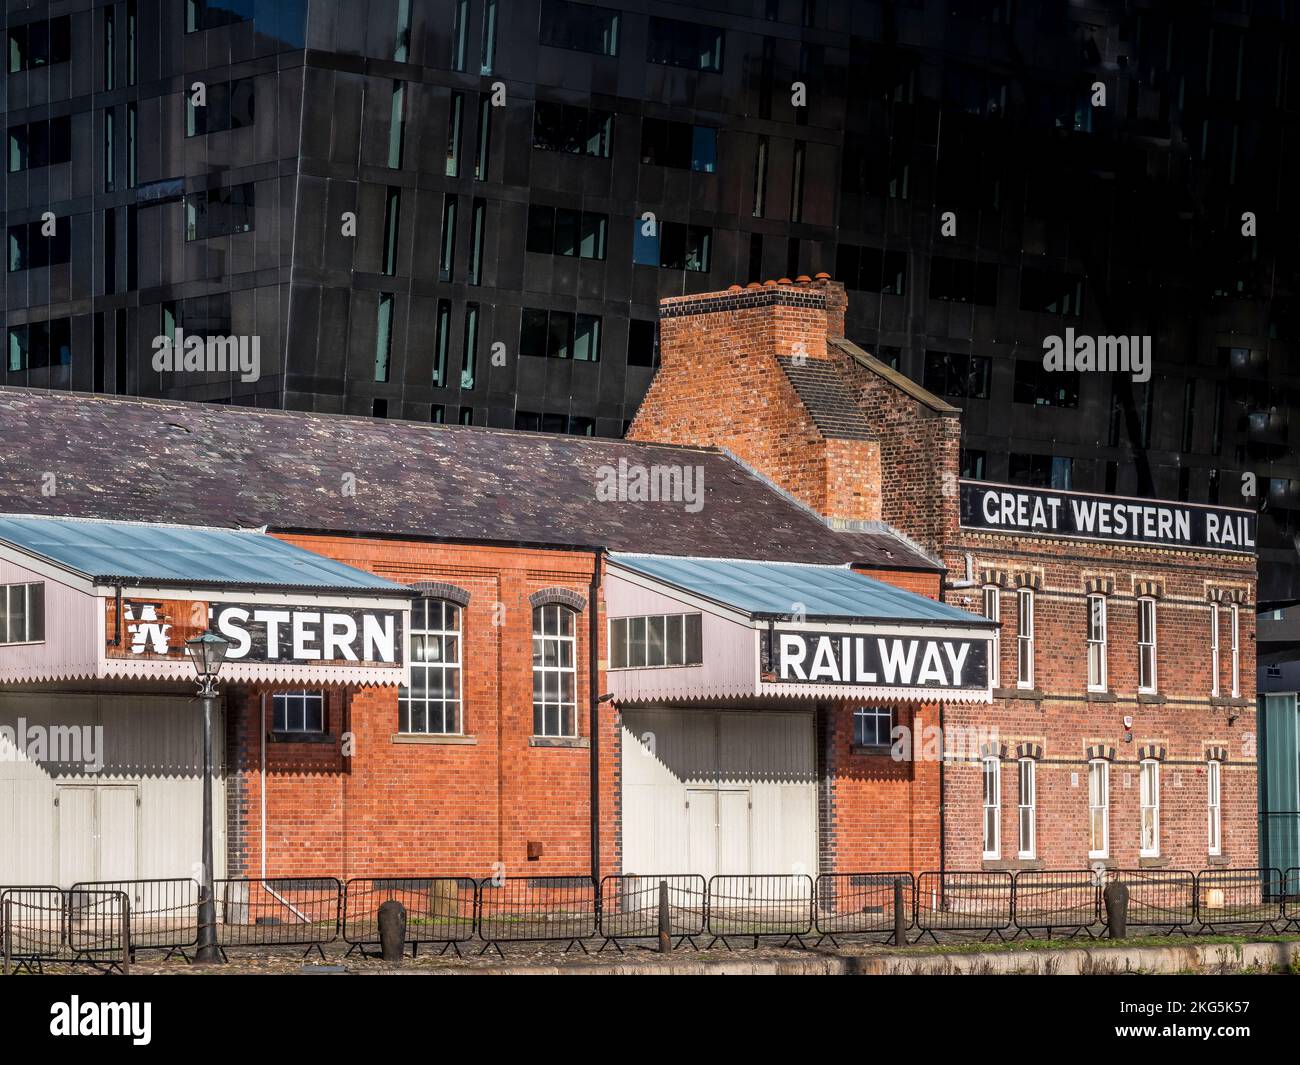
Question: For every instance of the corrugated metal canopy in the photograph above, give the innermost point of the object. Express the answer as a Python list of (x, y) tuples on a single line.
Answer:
[(169, 554), (781, 588)]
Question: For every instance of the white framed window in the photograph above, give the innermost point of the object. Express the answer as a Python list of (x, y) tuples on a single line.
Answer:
[(1096, 643), (1098, 808), (992, 808), (432, 704), (993, 611), (1149, 798), (22, 613), (873, 726), (555, 675), (1213, 780), (1214, 648), (298, 712), (1028, 807), (1025, 639), (1146, 645), (1236, 651)]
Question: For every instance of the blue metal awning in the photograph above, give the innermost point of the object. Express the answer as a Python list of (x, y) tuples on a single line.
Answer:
[(112, 552), (779, 589)]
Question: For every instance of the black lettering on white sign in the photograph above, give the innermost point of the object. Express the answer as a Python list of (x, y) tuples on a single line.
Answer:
[(892, 661), (1075, 515)]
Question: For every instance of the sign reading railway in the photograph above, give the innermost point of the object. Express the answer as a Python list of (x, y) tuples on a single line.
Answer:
[(882, 660), (1115, 519)]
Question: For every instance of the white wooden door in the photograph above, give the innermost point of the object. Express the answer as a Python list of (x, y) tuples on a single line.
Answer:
[(719, 791)]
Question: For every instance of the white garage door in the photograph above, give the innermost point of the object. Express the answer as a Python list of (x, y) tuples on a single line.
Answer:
[(719, 792), (139, 816)]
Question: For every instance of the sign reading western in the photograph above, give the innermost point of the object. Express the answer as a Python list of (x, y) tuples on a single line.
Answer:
[(1041, 511), (289, 633), (882, 660)]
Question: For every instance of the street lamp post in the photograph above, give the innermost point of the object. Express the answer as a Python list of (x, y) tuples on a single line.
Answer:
[(207, 652)]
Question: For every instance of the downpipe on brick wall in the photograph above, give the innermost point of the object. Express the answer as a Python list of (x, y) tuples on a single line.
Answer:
[(593, 677)]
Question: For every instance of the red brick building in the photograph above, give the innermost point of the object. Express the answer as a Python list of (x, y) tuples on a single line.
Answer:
[(520, 550), (1124, 698)]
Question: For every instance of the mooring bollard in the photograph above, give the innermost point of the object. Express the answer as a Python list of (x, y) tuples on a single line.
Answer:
[(392, 930), (1116, 899), (900, 915), (665, 920)]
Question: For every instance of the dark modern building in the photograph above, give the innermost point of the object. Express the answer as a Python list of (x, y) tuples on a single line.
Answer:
[(467, 210)]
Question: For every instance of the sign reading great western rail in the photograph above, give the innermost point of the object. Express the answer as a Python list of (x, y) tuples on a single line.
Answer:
[(880, 659), (1114, 519)]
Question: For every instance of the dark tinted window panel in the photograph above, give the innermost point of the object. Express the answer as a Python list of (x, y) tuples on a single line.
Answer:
[(642, 342), (685, 44), (963, 281), (219, 212), (1040, 387), (579, 26), (1051, 292), (950, 373)]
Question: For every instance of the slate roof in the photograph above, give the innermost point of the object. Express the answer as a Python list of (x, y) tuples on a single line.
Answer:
[(108, 551), (827, 399), (213, 465)]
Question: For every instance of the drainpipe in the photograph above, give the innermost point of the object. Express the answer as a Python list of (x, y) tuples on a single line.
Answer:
[(593, 676), (943, 765)]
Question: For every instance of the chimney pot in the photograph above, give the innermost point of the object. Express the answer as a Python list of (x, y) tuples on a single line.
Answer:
[(734, 288), (823, 277), (785, 281), (769, 284), (753, 285), (803, 279)]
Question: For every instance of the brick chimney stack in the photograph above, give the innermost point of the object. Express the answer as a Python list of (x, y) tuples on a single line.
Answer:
[(737, 369)]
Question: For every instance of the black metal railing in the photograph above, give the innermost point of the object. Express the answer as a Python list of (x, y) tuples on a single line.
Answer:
[(1157, 898), (629, 907), (106, 922), (1056, 900), (515, 909), (280, 911), (439, 910), (164, 913), (861, 903), (760, 905), (1228, 897), (965, 902), (49, 924)]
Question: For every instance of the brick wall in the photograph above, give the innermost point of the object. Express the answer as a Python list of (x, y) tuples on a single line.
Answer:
[(721, 383), (394, 807), (716, 385)]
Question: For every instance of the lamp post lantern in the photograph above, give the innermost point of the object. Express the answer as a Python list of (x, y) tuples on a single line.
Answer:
[(207, 652)]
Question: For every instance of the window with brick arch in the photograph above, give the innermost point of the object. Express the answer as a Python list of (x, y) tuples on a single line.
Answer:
[(1098, 808), (1214, 648), (433, 703), (993, 611), (555, 677), (1028, 807), (992, 807), (1213, 778), (1236, 652), (1149, 781), (1096, 643), (1025, 640), (1146, 645)]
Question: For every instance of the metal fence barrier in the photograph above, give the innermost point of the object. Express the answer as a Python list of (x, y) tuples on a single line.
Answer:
[(517, 909), (106, 922), (1158, 898), (164, 913), (439, 909), (774, 904), (280, 911), (1291, 898), (629, 908), (1239, 896), (48, 924), (860, 903), (964, 902), (1054, 900)]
